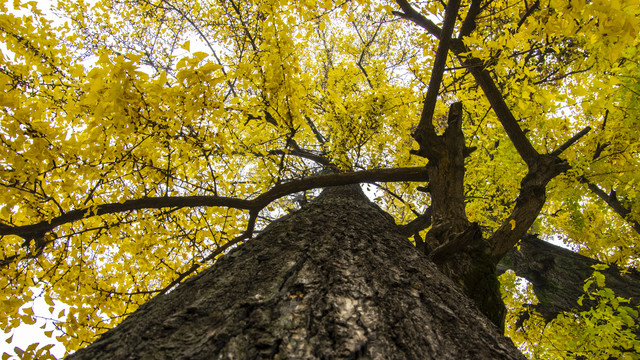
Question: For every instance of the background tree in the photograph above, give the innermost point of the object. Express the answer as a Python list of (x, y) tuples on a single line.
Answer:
[(142, 139)]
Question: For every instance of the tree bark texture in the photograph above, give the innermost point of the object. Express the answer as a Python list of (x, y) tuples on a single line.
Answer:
[(557, 276), (335, 280), (454, 243)]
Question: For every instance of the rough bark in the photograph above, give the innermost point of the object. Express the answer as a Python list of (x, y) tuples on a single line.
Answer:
[(557, 276), (333, 280), (454, 243)]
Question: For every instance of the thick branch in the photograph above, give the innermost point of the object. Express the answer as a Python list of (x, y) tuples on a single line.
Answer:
[(278, 191), (571, 141), (483, 78), (532, 197), (418, 174), (495, 98), (456, 245), (446, 170), (36, 230), (558, 276), (469, 23), (410, 13), (421, 222), (528, 204)]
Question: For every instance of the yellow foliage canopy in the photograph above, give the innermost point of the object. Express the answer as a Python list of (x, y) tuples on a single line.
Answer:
[(110, 102)]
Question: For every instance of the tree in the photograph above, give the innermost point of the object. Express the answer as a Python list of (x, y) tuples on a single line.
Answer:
[(344, 285), (143, 140)]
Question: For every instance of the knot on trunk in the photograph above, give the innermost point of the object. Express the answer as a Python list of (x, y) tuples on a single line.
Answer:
[(465, 258)]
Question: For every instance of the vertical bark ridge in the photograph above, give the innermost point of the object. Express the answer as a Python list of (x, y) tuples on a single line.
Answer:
[(334, 280)]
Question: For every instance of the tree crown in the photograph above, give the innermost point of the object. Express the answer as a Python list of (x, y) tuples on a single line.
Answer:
[(142, 139)]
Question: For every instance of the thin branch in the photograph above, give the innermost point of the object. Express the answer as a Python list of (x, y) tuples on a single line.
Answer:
[(219, 250), (364, 51), (425, 130), (535, 6), (548, 78), (304, 153), (247, 33), (206, 40), (393, 194), (315, 130), (612, 200), (570, 142)]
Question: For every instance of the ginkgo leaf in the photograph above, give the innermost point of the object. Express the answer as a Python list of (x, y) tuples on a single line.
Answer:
[(107, 105)]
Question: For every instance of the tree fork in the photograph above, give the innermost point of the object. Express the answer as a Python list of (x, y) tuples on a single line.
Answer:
[(459, 248)]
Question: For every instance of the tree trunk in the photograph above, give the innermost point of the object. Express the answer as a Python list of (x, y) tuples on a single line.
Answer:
[(333, 280)]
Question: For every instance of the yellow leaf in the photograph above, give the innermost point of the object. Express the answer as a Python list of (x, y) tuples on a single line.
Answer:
[(48, 300), (513, 224), (199, 55), (28, 320)]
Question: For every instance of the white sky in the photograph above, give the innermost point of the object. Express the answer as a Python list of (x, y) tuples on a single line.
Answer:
[(25, 335)]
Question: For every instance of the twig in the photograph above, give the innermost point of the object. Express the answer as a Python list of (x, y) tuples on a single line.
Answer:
[(242, 237)]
